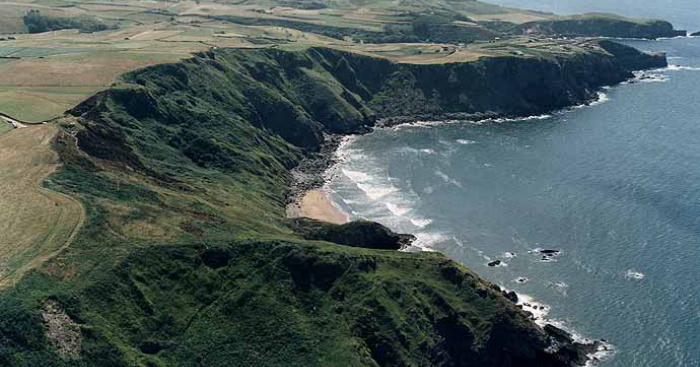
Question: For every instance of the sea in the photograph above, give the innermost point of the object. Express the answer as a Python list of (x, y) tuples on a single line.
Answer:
[(613, 188)]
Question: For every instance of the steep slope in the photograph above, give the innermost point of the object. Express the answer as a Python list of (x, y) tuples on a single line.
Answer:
[(271, 303), (600, 25), (298, 95), (186, 257), (34, 222)]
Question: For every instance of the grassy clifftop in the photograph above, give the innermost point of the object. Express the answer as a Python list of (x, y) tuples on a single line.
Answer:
[(186, 258), (600, 25), (275, 303)]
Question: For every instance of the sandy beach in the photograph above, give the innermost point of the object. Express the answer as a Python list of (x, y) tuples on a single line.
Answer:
[(317, 205)]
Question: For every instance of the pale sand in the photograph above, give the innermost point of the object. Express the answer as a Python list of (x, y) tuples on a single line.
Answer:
[(317, 205)]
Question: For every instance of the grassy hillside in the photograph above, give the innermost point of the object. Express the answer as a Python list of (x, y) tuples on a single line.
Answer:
[(272, 303), (600, 25), (35, 223), (186, 257)]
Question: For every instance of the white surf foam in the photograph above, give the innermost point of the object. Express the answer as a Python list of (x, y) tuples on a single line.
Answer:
[(430, 124), (649, 77), (634, 274), (426, 241), (376, 192), (398, 211), (540, 313), (356, 176), (421, 222), (448, 179), (538, 310), (602, 98), (465, 141), (527, 118), (682, 68)]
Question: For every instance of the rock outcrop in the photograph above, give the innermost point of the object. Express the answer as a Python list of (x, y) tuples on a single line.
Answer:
[(356, 234), (600, 25)]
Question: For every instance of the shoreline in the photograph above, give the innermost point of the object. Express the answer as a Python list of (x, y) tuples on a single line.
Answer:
[(307, 193), (309, 197), (317, 204)]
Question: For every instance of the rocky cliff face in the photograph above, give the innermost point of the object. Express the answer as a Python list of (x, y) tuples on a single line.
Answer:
[(600, 26), (630, 59), (208, 142), (502, 85), (299, 95)]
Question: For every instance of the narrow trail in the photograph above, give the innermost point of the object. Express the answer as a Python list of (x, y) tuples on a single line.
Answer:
[(35, 223), (16, 124), (19, 123)]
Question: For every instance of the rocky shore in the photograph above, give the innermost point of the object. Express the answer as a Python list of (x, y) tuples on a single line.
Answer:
[(562, 349)]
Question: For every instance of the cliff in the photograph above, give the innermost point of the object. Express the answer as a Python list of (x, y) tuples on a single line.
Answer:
[(600, 25), (187, 259), (299, 95)]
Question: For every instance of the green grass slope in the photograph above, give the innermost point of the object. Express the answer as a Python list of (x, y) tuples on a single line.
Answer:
[(186, 257), (600, 25), (272, 303)]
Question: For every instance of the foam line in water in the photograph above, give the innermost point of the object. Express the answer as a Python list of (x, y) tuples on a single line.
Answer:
[(397, 210), (538, 310), (634, 274), (448, 179), (421, 222), (376, 192), (682, 68), (430, 124), (600, 99), (465, 142), (540, 313), (356, 176), (426, 240), (649, 77)]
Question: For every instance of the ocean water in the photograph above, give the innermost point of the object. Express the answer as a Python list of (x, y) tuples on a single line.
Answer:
[(614, 186)]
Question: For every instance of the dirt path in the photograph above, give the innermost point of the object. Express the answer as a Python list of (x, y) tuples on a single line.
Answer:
[(35, 223), (16, 124)]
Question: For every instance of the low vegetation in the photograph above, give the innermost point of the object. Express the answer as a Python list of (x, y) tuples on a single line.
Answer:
[(185, 256), (35, 223), (356, 234), (44, 74), (600, 25), (39, 23)]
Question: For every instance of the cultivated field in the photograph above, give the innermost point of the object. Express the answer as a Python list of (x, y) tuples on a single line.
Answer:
[(35, 223), (42, 75)]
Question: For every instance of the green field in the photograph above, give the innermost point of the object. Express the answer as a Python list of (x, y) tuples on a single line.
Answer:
[(159, 32), (5, 127)]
